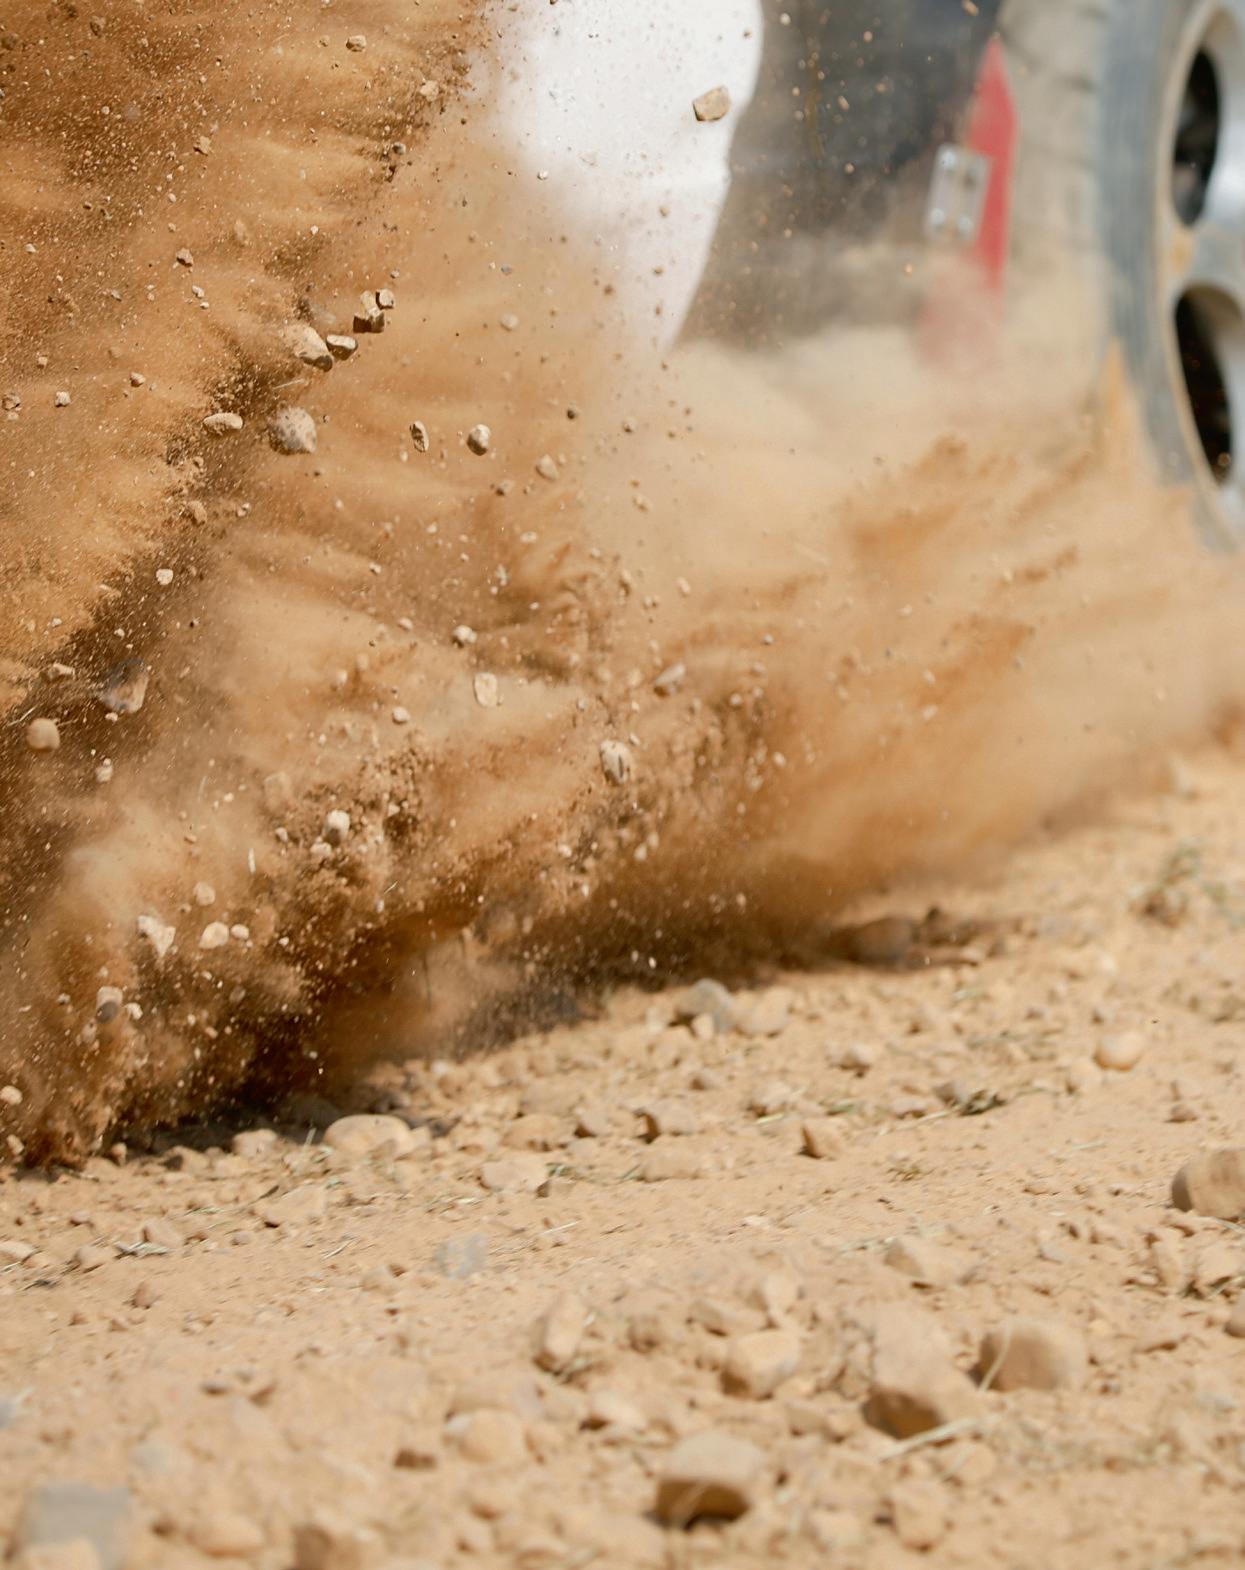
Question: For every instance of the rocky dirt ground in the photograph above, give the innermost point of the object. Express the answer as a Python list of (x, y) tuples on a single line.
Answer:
[(867, 1267)]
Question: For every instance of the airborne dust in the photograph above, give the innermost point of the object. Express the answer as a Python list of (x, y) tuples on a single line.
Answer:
[(702, 647)]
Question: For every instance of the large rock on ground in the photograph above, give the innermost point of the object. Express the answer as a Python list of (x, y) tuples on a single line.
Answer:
[(1212, 1184)]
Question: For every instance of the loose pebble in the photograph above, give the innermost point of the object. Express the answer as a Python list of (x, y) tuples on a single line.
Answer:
[(757, 1364), (306, 345), (420, 439), (560, 1331), (1212, 1184), (927, 1263), (822, 1138), (479, 439), (370, 1133), (336, 828), (1119, 1054), (292, 430), (1033, 1354), (214, 936), (713, 105), (43, 735), (919, 1513), (340, 345), (519, 1173), (616, 762), (914, 1384), (223, 423), (710, 1475), (329, 1541), (225, 1534)]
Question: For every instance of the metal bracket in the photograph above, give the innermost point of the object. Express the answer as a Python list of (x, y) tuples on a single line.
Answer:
[(957, 195)]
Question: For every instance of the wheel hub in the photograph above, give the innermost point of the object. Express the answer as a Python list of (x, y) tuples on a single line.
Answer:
[(1202, 254)]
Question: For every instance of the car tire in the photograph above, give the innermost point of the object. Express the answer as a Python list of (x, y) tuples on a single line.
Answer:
[(1129, 205)]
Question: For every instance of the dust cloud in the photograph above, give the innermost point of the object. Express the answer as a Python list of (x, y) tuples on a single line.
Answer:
[(705, 645)]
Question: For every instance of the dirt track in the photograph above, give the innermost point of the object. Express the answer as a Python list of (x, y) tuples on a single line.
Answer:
[(244, 1340), (745, 639)]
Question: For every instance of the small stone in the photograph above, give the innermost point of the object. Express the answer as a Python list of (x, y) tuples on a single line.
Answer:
[(386, 299), (306, 345), (292, 430), (203, 145), (298, 1207), (370, 1133), (1215, 1266), (399, 715), (822, 1137), (487, 692), (713, 105), (616, 762), (203, 894), (356, 43), (43, 735), (223, 423), (158, 933), (161, 1233), (559, 1333), (62, 400), (184, 257), (669, 681), (706, 997), (124, 689), (915, 1386), (59, 671), (757, 1364), (479, 438), (463, 636), (859, 1058), (609, 1409), (1212, 1184), (771, 1098), (710, 1475), (929, 1264), (1033, 1354), (1083, 1075), (770, 1014), (459, 1258), (509, 322), (15, 1252), (336, 829), (226, 1535), (420, 439), (369, 318), (56, 1513), (671, 1159), (546, 468), (1167, 1260), (327, 1541), (1236, 1320), (91, 1256), (341, 345), (11, 1096), (253, 1144), (919, 1512), (593, 1121), (670, 1118), (164, 576), (1120, 1053), (214, 936), (521, 1173), (137, 379), (491, 1437)]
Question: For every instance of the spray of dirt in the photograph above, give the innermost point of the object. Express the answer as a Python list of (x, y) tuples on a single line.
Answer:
[(745, 637)]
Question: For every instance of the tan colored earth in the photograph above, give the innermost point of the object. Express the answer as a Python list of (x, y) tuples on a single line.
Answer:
[(420, 776), (246, 1332)]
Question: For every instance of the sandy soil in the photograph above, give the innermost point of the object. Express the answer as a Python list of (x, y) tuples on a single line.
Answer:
[(289, 1352), (374, 757)]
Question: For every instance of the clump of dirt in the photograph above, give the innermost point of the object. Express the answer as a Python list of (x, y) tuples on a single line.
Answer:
[(691, 649)]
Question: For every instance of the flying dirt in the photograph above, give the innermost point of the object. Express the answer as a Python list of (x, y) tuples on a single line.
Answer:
[(378, 683)]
